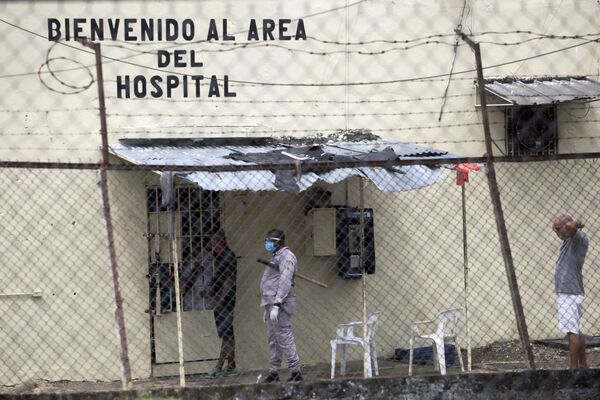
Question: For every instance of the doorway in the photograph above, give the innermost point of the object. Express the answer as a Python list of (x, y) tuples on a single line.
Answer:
[(197, 216)]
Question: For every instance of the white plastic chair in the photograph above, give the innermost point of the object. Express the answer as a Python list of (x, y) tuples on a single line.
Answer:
[(446, 331), (345, 335)]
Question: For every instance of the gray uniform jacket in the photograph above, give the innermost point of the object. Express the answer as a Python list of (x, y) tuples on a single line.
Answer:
[(276, 284)]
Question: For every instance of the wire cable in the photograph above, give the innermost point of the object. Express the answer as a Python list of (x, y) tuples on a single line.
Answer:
[(291, 84)]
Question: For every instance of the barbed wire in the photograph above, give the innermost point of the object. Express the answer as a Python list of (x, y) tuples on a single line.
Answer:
[(244, 31), (216, 134), (49, 110), (76, 88), (432, 214), (450, 35), (454, 53), (290, 84), (586, 107), (121, 131), (251, 45), (427, 77), (96, 149), (304, 101), (427, 38), (290, 115), (174, 45), (411, 128), (298, 50), (270, 132), (415, 80), (112, 59), (579, 137), (437, 78)]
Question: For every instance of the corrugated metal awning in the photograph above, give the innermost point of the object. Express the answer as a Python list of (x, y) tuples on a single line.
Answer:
[(160, 152), (543, 90)]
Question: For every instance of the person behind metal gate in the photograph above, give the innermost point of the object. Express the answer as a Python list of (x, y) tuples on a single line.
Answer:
[(223, 290), (568, 284), (279, 302), (197, 276)]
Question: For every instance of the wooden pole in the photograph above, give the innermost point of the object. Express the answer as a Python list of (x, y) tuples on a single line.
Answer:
[(119, 313), (175, 253), (466, 274), (311, 280), (366, 352), (156, 251), (498, 213)]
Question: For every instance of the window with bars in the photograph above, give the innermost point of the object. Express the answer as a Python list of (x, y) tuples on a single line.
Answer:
[(197, 217), (531, 130)]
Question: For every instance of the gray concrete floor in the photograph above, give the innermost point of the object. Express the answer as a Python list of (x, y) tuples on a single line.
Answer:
[(312, 373), (497, 357)]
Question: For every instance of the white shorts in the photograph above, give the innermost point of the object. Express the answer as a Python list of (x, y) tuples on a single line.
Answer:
[(570, 310)]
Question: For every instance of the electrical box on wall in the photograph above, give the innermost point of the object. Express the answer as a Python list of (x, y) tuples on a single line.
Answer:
[(348, 242), (337, 231)]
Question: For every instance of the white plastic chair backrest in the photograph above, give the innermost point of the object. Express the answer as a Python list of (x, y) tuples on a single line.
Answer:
[(346, 332), (372, 324), (448, 322)]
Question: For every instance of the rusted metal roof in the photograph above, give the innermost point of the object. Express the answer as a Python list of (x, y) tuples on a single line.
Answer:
[(543, 90), (267, 152)]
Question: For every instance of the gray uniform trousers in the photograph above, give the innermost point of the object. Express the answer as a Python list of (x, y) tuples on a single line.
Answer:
[(281, 339)]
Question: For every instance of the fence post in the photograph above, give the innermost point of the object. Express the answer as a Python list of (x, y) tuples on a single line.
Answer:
[(498, 213), (119, 314), (466, 273), (366, 349)]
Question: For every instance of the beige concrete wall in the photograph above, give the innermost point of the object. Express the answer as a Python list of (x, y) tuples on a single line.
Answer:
[(411, 113), (417, 233), (532, 195), (69, 331), (127, 202), (420, 267), (55, 243)]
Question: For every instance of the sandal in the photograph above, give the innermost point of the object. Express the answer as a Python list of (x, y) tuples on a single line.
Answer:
[(215, 373)]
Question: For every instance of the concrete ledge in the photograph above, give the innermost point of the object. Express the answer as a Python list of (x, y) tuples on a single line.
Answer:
[(530, 385)]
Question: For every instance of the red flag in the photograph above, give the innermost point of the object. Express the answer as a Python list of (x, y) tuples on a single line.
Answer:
[(462, 172)]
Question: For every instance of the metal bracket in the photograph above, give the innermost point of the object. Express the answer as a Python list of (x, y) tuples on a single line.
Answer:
[(35, 293)]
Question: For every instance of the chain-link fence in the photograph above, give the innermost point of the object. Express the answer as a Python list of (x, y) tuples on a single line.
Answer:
[(413, 243), (344, 125)]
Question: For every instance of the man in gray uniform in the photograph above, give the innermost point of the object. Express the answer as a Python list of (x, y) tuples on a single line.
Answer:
[(279, 302), (568, 284)]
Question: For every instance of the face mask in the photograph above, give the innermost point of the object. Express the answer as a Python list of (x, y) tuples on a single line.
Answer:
[(270, 246)]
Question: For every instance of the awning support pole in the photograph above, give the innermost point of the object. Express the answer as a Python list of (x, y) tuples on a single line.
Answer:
[(466, 274), (175, 253), (366, 350)]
